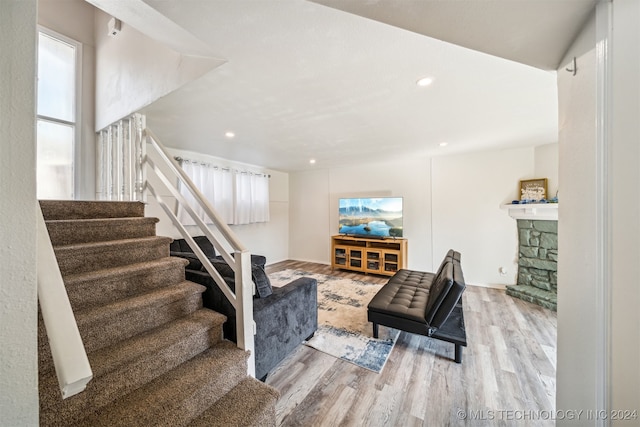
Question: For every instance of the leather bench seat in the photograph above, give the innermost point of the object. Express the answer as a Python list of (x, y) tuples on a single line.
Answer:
[(403, 298), (424, 303)]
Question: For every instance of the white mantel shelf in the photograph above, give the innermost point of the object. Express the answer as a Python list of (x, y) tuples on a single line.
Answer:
[(535, 211)]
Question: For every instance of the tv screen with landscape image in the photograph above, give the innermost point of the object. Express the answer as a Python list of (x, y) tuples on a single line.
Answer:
[(374, 217)]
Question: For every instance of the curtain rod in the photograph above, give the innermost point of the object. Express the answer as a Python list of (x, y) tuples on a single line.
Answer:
[(211, 165)]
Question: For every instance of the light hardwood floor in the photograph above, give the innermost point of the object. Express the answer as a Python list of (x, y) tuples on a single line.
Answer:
[(507, 375)]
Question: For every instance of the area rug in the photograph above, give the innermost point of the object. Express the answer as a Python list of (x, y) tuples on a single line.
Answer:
[(343, 329)]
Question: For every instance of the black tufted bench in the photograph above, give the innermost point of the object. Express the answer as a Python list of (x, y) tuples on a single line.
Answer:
[(424, 303)]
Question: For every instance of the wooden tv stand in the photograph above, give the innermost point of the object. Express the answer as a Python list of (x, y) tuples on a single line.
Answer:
[(369, 255)]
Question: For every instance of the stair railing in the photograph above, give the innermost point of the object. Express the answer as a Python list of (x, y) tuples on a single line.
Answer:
[(67, 349), (240, 262), (119, 155)]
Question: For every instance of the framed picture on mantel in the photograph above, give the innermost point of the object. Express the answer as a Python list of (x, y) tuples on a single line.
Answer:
[(533, 189)]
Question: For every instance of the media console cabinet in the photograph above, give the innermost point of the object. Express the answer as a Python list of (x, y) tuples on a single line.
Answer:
[(369, 255)]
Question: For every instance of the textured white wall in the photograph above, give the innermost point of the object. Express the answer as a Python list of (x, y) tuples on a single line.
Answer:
[(18, 290), (74, 19), (133, 70), (546, 166), (468, 190)]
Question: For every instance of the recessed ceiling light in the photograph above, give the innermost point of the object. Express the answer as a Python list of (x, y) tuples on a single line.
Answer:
[(425, 81), (443, 144), (229, 134), (312, 161)]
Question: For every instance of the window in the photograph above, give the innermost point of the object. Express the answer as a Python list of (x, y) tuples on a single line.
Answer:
[(251, 198), (58, 71), (239, 197)]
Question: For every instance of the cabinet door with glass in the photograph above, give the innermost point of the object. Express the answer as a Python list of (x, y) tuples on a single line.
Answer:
[(341, 256), (356, 259), (391, 262), (374, 261)]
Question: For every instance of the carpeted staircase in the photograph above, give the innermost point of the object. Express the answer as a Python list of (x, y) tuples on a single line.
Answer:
[(157, 355)]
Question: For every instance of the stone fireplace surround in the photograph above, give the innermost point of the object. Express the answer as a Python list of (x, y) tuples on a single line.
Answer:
[(537, 254)]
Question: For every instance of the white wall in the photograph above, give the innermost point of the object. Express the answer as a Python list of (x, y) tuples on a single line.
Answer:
[(449, 202), (18, 289), (577, 293), (408, 179), (133, 70), (599, 339), (267, 238), (310, 227), (314, 205), (625, 208), (546, 158), (74, 19), (468, 190)]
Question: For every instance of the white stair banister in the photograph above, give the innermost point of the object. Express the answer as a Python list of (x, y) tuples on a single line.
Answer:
[(113, 151), (245, 329), (67, 349), (242, 299), (211, 213)]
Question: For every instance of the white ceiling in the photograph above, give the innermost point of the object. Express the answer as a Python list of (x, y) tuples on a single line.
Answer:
[(304, 81), (532, 32)]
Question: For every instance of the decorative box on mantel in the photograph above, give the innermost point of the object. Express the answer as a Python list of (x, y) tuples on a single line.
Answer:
[(537, 253)]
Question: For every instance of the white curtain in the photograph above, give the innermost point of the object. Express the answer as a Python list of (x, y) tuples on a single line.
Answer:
[(238, 197), (252, 198), (261, 198), (217, 187)]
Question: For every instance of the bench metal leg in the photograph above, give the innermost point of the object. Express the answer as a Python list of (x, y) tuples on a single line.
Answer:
[(458, 353), (375, 330)]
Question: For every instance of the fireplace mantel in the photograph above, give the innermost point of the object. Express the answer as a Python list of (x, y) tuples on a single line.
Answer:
[(534, 211)]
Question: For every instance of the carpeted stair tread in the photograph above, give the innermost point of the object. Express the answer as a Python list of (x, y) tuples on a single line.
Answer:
[(78, 209), (67, 232), (178, 396), (106, 325), (83, 257), (128, 365), (100, 287), (123, 319), (155, 340), (209, 318), (252, 404)]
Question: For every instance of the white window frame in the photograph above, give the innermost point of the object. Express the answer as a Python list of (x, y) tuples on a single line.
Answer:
[(77, 108)]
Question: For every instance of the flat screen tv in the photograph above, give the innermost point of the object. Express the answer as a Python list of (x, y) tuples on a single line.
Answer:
[(373, 217)]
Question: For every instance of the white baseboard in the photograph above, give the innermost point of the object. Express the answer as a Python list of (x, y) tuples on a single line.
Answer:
[(492, 286)]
